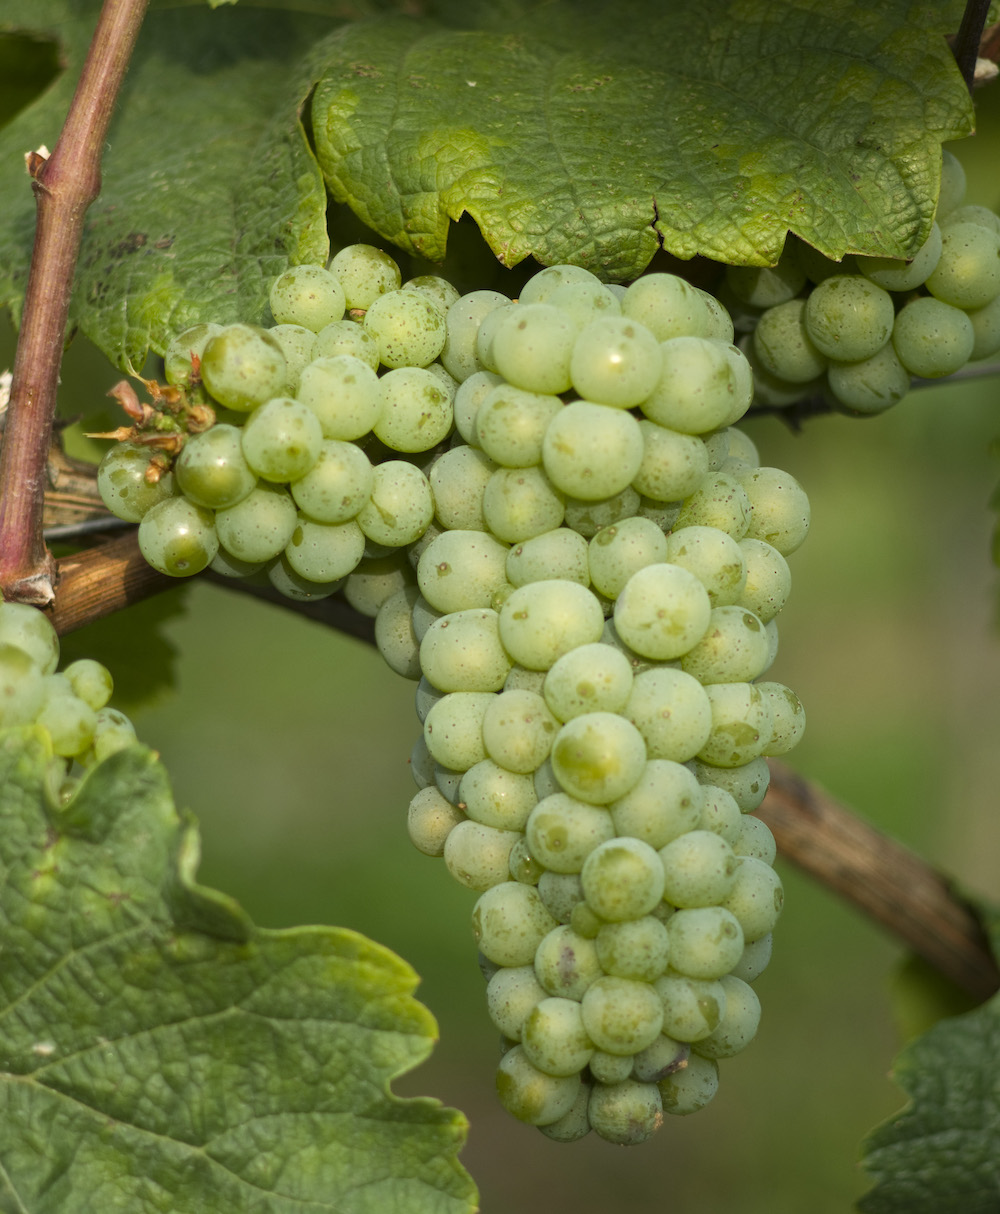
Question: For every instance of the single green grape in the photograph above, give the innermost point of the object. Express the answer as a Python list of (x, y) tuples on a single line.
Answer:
[(177, 537), (211, 470), (307, 295), (244, 366)]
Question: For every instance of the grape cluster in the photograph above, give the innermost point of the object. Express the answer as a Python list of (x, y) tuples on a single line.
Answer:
[(562, 538), (71, 706), (856, 332)]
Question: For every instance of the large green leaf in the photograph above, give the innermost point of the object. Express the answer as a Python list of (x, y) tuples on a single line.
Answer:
[(591, 132), (159, 1053)]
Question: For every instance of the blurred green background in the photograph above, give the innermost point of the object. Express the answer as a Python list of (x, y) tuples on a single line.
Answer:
[(290, 743)]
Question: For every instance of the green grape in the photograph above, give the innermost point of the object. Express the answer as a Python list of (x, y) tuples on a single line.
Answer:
[(447, 782), (394, 636), (572, 1125), (123, 485), (982, 216), (755, 839), (401, 505), (665, 803), (598, 756), (662, 611), (668, 306), (766, 286), (541, 286), (625, 1113), (308, 296), (635, 949), (519, 503), (692, 1007), (782, 345), (611, 1068), (517, 730), (734, 649), (324, 552), (788, 717), (184, 353), (458, 480), (704, 384), (430, 819), (589, 678), (511, 995), (967, 274), (622, 879), (715, 559), (177, 537), (722, 815), (754, 961), (21, 687), (931, 338), (461, 569), (529, 1094), (364, 273), (486, 332), (543, 620), (510, 424), (211, 470), (293, 585), (671, 710), (616, 361), (113, 731), (566, 963), (895, 275), (741, 724), (584, 302), (747, 783), (618, 551), (673, 465), (70, 724), (90, 681), (437, 289), (755, 898), (691, 1087), (953, 183), (705, 942), (768, 582), (462, 651), (985, 330), (425, 697), (243, 366), (343, 392), (561, 892), (478, 856), (872, 385), (700, 869), (282, 440), (560, 553), (533, 348), (422, 765), (258, 527), (591, 451), (423, 616), (720, 323), (415, 413), (739, 1024), (297, 344), (588, 517), (661, 1058), (338, 484), (469, 396), (30, 630), (409, 328), (509, 921), (817, 266), (720, 502), (554, 1038), (453, 729), (227, 565), (621, 1015), (562, 831), (779, 508), (849, 318), (346, 337), (462, 321)]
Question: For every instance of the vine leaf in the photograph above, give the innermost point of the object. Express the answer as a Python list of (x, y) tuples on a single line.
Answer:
[(590, 133), (158, 1051)]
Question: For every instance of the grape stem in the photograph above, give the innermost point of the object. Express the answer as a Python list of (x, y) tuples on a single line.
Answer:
[(824, 838), (65, 184), (966, 45)]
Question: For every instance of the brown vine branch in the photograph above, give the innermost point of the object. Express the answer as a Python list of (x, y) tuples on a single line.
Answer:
[(881, 877), (65, 185), (970, 33)]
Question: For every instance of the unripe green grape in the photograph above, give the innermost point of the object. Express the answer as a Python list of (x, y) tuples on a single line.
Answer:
[(586, 922), (324, 552), (227, 565), (872, 385), (584, 302), (394, 636), (297, 344), (509, 921), (518, 730), (817, 266), (122, 482), (590, 678), (401, 505), (895, 275), (621, 1015), (756, 898), (562, 893), (782, 344), (182, 353), (177, 537), (511, 995), (338, 484), (462, 651), (211, 470), (618, 551), (541, 286), (562, 831), (704, 384), (364, 273), (766, 286), (430, 819), (705, 942), (715, 559), (453, 729), (519, 503), (741, 724), (458, 480), (611, 1068), (636, 949), (755, 839), (739, 1024), (343, 392), (668, 306), (525, 868), (779, 508), (543, 620), (423, 615), (346, 337), (469, 396), (931, 338), (243, 366), (113, 731), (30, 630), (533, 348), (588, 517), (671, 710), (22, 689), (735, 648), (788, 717), (666, 802), (447, 783), (967, 274), (461, 569), (849, 318), (70, 724), (293, 585), (616, 361), (692, 1007), (622, 879), (478, 856), (598, 756), (510, 424), (660, 1059), (985, 330), (258, 527), (691, 1087), (566, 963), (375, 580), (953, 183), (554, 1038), (576, 1123), (768, 581), (462, 321), (720, 324), (486, 332), (754, 961), (721, 815), (720, 502), (700, 869), (559, 553), (662, 611), (747, 783), (409, 327), (673, 465), (89, 680), (415, 412), (422, 767), (591, 451), (307, 295), (529, 1094), (437, 289), (282, 439), (625, 1113)]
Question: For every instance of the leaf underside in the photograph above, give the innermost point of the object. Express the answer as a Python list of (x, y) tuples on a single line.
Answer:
[(160, 1053)]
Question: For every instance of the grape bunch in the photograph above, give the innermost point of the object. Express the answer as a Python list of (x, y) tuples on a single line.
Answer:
[(563, 539), (856, 332), (71, 705)]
